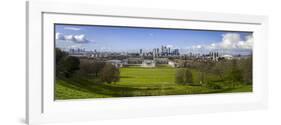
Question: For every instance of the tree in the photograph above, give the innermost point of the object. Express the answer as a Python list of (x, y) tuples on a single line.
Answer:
[(219, 69), (98, 66), (204, 68), (91, 67), (68, 65), (188, 76), (59, 55), (87, 68), (235, 73), (247, 67), (183, 76), (110, 73), (180, 76)]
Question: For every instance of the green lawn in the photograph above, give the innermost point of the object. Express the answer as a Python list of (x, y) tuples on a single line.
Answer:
[(147, 77), (136, 81)]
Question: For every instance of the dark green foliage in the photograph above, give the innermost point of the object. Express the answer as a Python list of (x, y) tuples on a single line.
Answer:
[(66, 65), (59, 55), (69, 65), (86, 68), (183, 76), (110, 73)]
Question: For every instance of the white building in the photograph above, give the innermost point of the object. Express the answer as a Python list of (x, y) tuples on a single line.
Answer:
[(172, 64), (116, 63), (161, 60), (227, 57), (148, 63)]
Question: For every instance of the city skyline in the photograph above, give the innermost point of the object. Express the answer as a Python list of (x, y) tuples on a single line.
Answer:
[(132, 39)]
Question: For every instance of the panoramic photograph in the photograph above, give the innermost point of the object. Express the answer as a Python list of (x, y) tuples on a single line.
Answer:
[(93, 61)]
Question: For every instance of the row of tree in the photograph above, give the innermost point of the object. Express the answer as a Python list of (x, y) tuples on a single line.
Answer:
[(106, 72), (67, 66), (231, 71)]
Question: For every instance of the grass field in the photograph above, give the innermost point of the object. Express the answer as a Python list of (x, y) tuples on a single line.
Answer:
[(136, 81)]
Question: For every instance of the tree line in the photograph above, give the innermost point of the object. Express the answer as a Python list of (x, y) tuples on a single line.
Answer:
[(67, 66), (235, 71)]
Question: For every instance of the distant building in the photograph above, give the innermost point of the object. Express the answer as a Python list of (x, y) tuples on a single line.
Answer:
[(116, 63), (141, 52), (135, 60), (148, 63), (229, 57), (172, 64), (161, 60)]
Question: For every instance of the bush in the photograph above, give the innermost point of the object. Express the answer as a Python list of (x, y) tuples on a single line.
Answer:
[(184, 76)]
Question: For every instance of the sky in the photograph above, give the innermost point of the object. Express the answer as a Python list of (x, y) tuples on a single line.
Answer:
[(132, 39)]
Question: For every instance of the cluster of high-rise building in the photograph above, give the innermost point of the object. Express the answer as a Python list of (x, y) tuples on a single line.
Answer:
[(73, 51), (213, 56), (160, 55), (163, 55), (164, 51)]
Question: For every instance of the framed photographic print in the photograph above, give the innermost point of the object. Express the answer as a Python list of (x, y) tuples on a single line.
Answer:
[(88, 62)]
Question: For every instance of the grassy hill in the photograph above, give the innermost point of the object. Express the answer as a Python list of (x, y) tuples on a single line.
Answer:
[(137, 81)]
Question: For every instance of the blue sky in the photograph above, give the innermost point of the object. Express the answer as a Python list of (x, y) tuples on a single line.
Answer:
[(122, 39)]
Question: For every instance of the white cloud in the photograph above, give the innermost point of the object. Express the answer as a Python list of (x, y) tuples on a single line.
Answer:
[(229, 41), (59, 36), (81, 38), (234, 41), (68, 37), (248, 44), (71, 28)]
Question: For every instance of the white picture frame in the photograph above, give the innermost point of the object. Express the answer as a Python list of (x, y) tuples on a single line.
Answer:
[(41, 107)]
